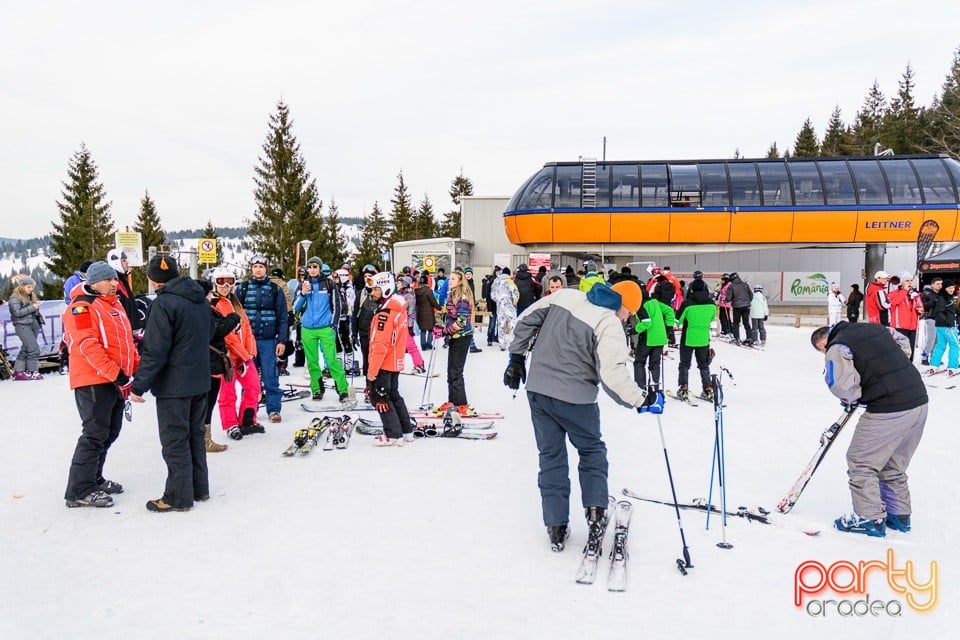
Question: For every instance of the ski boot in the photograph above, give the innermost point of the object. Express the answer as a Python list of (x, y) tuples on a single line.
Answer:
[(420, 369), (852, 523), (707, 394), (597, 524), (558, 537), (683, 393)]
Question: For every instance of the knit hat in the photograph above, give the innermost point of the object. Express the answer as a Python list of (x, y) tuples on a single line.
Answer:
[(100, 271), (698, 285), (604, 296), (468, 270), (85, 265), (505, 271), (277, 272), (630, 293), (315, 260), (162, 269), (26, 281), (590, 265), (948, 283)]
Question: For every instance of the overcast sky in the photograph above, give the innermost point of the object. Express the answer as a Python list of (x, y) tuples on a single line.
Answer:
[(174, 97)]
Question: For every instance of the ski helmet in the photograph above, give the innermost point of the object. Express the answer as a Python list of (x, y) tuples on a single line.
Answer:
[(222, 276), (385, 282), (698, 275)]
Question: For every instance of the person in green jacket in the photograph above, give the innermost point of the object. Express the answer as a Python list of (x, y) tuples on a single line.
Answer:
[(696, 315), (653, 320), (590, 277)]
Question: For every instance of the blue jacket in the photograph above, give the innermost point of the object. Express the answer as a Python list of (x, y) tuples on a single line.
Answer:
[(443, 285), (321, 307), (71, 282), (266, 307)]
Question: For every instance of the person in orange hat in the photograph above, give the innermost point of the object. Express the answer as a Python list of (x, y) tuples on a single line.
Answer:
[(580, 344)]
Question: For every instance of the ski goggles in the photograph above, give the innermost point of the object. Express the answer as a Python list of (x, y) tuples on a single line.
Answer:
[(259, 259), (224, 282)]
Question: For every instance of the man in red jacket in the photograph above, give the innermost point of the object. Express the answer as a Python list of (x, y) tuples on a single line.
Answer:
[(103, 360), (876, 303)]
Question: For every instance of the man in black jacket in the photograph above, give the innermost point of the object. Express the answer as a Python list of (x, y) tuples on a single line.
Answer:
[(528, 288), (869, 364), (179, 328)]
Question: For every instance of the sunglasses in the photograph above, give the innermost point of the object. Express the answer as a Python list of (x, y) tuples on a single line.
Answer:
[(221, 282), (313, 266)]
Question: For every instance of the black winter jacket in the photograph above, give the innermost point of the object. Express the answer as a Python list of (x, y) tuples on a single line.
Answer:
[(528, 289), (178, 329), (222, 326)]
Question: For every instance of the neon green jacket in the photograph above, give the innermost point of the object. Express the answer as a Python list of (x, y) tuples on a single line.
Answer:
[(653, 320)]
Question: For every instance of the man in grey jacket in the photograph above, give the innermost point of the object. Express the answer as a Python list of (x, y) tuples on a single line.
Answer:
[(869, 364), (579, 344)]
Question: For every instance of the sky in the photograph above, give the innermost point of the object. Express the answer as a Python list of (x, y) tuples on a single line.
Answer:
[(174, 98)]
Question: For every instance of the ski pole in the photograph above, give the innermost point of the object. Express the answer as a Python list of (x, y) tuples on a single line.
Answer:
[(682, 563), (427, 382)]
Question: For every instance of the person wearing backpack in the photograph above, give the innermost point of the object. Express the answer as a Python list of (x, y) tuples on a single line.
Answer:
[(318, 303), (266, 307)]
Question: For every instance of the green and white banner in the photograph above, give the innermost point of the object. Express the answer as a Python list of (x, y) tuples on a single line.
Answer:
[(807, 286)]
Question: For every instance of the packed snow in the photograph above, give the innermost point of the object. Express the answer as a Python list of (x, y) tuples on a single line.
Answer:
[(444, 539)]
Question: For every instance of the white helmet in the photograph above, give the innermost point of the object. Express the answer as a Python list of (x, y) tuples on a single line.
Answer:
[(384, 280), (222, 275)]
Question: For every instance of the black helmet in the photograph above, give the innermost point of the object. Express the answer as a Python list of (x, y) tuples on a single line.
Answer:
[(725, 276), (698, 275), (734, 275)]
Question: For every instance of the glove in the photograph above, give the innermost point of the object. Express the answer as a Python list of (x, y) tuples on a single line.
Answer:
[(765, 318), (850, 407), (379, 398), (653, 403), (243, 366), (123, 383), (516, 371), (410, 330), (437, 332)]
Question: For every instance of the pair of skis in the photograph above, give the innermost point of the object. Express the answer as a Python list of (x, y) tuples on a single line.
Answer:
[(339, 433), (619, 513), (477, 431), (304, 440)]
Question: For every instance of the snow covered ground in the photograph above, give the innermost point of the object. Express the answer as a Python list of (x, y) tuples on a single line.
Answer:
[(443, 538)]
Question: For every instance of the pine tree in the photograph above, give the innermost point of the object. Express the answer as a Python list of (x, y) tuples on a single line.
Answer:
[(902, 126), (943, 130), (772, 152), (330, 244), (424, 224), (373, 239), (151, 235), (85, 230), (288, 207), (460, 187), (866, 128), (836, 141), (806, 145), (401, 215)]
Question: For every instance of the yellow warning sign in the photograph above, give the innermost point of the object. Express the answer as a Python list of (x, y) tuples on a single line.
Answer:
[(207, 251), (429, 263)]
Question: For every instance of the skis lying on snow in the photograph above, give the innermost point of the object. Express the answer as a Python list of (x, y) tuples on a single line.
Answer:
[(351, 405), (436, 423), (593, 550), (429, 431), (826, 441), (434, 412), (290, 394), (304, 440), (757, 514)]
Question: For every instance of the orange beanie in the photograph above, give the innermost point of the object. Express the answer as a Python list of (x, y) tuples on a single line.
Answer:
[(630, 293)]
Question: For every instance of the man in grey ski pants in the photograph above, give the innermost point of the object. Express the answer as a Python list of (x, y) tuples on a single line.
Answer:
[(869, 364)]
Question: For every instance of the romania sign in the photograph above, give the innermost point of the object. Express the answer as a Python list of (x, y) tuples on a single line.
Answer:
[(806, 286)]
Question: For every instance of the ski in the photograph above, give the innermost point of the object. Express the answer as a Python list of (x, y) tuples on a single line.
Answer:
[(756, 514), (313, 437), (434, 413), (593, 550), (617, 578), (826, 441), (329, 443), (335, 408), (289, 395), (688, 401), (367, 428), (475, 425), (344, 431), (299, 439), (419, 375)]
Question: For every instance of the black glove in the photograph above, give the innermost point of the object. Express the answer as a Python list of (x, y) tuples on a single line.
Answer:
[(765, 318), (123, 383), (379, 398), (516, 371), (850, 407)]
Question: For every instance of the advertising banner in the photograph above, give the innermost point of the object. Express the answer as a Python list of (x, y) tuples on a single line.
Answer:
[(807, 286)]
